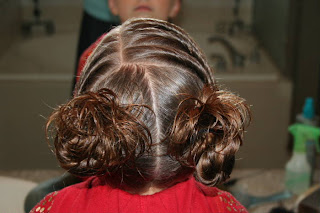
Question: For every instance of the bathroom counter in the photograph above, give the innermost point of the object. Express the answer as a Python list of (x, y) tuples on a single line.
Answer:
[(264, 183), (253, 181)]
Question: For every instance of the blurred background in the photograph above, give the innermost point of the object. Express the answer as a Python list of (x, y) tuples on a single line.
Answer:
[(266, 51)]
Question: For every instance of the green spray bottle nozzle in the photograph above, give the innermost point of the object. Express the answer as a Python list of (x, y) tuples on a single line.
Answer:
[(303, 133)]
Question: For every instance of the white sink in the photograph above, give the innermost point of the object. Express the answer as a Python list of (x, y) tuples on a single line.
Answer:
[(12, 194)]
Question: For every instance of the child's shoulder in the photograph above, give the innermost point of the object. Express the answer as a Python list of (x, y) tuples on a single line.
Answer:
[(45, 204), (230, 202), (65, 197), (224, 200)]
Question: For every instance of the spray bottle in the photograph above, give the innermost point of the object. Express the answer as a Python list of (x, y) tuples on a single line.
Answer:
[(298, 170), (309, 117)]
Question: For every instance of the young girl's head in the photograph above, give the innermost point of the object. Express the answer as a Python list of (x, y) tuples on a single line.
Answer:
[(147, 110), (159, 9)]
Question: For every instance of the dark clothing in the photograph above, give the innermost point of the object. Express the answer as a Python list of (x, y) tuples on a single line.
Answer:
[(91, 29)]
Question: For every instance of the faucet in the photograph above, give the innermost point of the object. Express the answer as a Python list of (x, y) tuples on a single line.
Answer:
[(237, 24), (236, 57), (220, 62)]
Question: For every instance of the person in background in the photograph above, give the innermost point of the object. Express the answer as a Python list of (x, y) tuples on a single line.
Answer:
[(96, 20), (123, 9), (159, 9), (148, 126)]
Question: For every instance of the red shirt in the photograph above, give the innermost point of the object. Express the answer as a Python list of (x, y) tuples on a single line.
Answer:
[(93, 195)]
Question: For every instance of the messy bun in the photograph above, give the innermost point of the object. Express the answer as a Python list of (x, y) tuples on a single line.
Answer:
[(147, 110), (207, 132), (94, 133)]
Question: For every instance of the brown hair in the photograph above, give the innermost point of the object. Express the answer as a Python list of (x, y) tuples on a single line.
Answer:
[(147, 110)]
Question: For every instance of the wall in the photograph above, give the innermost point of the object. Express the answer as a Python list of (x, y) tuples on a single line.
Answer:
[(270, 21), (305, 61), (23, 119), (290, 31), (265, 140), (10, 20)]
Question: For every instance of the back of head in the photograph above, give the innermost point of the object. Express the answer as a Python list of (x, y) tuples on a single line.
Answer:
[(147, 110)]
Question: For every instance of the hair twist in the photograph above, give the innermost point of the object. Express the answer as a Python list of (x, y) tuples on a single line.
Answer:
[(207, 132), (94, 134)]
